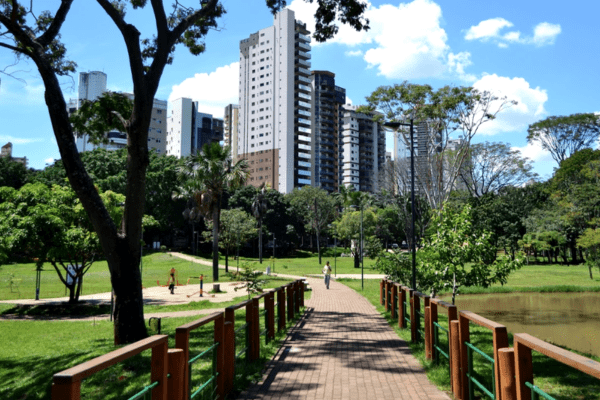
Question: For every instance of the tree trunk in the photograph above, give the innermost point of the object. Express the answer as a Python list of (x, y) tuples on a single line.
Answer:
[(454, 287), (319, 247), (227, 260), (129, 325), (356, 260), (590, 268), (216, 244), (260, 241)]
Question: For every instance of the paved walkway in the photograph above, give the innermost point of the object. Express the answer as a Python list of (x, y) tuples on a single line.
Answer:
[(343, 349)]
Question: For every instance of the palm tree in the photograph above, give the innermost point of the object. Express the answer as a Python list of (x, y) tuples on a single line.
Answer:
[(205, 176)]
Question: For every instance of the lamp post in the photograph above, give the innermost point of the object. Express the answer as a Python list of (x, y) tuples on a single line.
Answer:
[(395, 126), (334, 252)]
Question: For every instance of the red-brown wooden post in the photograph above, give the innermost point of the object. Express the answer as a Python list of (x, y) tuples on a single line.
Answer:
[(381, 289), (455, 360), (387, 295), (297, 294), (394, 303), (175, 383), (427, 327), (159, 365), (250, 330), (219, 337), (433, 317), (401, 315), (508, 387), (523, 370), (281, 308), (500, 342), (464, 336), (290, 301), (256, 328), (66, 391), (182, 341), (270, 306), (229, 355)]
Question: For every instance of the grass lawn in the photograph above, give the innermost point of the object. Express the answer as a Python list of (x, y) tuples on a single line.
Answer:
[(558, 380), (156, 266), (305, 263), (33, 351)]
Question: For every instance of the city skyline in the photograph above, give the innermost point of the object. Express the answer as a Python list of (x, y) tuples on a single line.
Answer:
[(542, 55)]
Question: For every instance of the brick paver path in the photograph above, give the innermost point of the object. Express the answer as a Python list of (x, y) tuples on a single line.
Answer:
[(343, 349)]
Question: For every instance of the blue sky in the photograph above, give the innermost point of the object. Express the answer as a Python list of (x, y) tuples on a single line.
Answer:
[(543, 54)]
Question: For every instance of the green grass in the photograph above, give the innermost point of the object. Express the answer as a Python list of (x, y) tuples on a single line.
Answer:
[(305, 263), (555, 378), (156, 266), (33, 351)]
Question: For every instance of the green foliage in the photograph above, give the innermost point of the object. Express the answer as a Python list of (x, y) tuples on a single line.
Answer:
[(95, 119), (12, 174), (396, 266), (237, 228), (252, 281), (456, 255), (590, 242), (562, 136)]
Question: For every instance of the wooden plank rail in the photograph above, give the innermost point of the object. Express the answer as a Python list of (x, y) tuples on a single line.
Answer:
[(67, 384), (525, 343)]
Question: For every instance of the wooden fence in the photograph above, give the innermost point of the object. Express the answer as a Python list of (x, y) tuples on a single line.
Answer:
[(171, 368), (511, 371)]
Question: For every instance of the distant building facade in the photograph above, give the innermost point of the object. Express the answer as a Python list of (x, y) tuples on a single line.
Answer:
[(6, 152), (188, 130), (231, 119)]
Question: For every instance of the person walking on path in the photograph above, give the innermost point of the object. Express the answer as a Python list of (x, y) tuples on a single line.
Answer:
[(327, 273)]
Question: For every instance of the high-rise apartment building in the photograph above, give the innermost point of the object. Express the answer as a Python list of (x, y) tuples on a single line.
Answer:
[(91, 86), (274, 130), (230, 128), (363, 150), (188, 130), (327, 100)]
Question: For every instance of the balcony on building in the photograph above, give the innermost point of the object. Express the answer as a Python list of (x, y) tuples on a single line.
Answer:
[(302, 54), (303, 63), (303, 37), (303, 46)]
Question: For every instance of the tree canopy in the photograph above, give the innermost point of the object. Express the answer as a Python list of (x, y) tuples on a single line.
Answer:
[(562, 136)]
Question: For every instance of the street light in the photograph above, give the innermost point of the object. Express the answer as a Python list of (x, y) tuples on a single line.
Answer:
[(362, 246), (395, 126)]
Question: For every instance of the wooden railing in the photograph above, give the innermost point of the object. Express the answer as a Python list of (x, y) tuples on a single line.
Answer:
[(170, 372), (512, 367)]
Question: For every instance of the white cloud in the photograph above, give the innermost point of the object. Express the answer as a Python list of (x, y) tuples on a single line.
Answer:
[(349, 101), (17, 140), (530, 107), (487, 29), (544, 33), (212, 91), (49, 160), (404, 42), (354, 53)]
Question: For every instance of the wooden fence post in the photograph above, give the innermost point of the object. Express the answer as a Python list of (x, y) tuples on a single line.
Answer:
[(508, 387), (381, 286), (270, 306), (401, 314), (297, 297), (523, 370), (427, 328), (464, 336), (387, 295), (290, 301), (455, 359), (255, 332), (229, 355), (281, 308), (176, 370), (250, 330), (182, 341), (394, 304), (500, 342)]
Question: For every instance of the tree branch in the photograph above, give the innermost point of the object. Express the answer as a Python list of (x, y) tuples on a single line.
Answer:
[(47, 37)]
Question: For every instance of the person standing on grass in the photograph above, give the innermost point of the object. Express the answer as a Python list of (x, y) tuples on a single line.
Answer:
[(327, 273)]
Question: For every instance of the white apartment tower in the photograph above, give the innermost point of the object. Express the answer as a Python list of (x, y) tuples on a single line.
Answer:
[(188, 130), (363, 150), (91, 85), (274, 129)]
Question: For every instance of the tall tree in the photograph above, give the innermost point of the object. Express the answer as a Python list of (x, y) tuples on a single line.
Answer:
[(205, 177), (447, 113), (564, 135), (37, 37), (490, 167), (12, 174)]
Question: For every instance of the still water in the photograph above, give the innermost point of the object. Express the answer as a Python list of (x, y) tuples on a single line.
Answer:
[(566, 319)]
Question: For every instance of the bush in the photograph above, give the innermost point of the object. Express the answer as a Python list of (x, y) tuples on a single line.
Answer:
[(163, 248)]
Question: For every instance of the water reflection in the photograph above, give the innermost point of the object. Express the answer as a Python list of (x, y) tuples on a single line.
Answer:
[(567, 319)]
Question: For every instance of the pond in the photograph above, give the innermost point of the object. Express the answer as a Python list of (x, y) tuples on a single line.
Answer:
[(566, 319)]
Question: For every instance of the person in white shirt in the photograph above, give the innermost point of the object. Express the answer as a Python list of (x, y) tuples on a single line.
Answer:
[(327, 273)]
